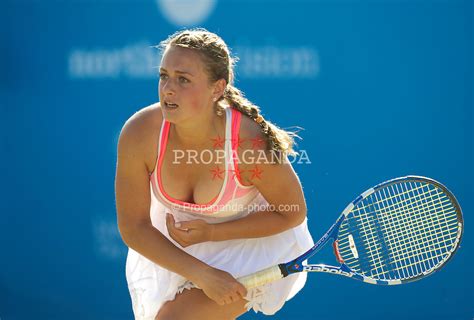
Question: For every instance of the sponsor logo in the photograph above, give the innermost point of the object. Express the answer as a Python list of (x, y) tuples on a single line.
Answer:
[(139, 61), (329, 270), (276, 61)]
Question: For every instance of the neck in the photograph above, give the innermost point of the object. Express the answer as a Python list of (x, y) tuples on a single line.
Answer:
[(198, 132)]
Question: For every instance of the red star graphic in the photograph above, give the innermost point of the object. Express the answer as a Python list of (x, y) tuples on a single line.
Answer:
[(256, 173), (217, 172), (238, 142), (218, 142), (257, 142)]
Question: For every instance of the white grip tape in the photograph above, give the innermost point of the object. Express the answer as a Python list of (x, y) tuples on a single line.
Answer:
[(261, 277)]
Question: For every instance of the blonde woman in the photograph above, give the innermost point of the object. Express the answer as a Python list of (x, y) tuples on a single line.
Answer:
[(195, 208)]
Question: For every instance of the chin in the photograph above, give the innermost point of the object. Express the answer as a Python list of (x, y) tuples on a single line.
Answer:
[(170, 116)]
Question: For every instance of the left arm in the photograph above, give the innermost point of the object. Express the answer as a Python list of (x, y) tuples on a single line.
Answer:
[(279, 185)]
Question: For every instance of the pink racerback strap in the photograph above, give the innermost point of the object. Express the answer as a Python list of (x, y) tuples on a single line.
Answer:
[(236, 118)]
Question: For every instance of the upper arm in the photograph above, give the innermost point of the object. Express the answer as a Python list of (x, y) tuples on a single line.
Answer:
[(276, 180), (132, 184), (280, 186)]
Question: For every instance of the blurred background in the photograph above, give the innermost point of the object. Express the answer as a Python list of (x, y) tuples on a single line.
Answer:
[(383, 88)]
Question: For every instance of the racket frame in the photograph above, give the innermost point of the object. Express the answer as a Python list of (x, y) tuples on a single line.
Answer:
[(299, 265)]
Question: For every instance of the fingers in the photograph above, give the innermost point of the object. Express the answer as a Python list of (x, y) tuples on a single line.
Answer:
[(185, 225), (176, 234), (222, 287), (182, 225), (228, 299), (237, 293), (170, 223), (190, 224), (231, 298), (187, 233), (242, 291)]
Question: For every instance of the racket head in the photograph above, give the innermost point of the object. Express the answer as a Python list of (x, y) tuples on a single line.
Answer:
[(399, 231)]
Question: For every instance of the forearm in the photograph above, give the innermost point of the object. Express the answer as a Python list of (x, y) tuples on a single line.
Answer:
[(257, 225), (152, 244)]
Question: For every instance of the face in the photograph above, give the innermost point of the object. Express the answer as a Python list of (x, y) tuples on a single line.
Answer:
[(184, 89)]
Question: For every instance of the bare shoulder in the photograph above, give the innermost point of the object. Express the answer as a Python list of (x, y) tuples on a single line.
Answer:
[(139, 135), (252, 150), (143, 119), (251, 135), (265, 169)]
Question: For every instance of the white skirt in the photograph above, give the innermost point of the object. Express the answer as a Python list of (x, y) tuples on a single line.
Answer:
[(151, 285)]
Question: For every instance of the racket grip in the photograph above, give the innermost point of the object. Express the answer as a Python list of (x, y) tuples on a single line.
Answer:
[(261, 277)]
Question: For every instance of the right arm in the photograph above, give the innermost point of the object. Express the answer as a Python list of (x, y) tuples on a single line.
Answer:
[(133, 199)]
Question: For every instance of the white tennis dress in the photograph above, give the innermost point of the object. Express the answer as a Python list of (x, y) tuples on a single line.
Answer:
[(151, 285)]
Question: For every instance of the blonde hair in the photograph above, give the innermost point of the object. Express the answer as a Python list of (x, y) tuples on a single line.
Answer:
[(220, 64)]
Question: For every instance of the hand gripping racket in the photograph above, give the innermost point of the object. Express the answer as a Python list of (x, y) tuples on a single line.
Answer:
[(396, 232)]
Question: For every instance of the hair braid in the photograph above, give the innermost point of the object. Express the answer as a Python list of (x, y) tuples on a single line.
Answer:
[(278, 139)]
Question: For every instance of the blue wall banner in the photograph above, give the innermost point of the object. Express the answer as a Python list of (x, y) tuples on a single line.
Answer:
[(382, 88)]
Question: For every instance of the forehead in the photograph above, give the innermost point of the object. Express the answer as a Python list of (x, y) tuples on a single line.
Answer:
[(182, 59)]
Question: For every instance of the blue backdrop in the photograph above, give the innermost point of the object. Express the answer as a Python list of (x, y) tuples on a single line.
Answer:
[(383, 88)]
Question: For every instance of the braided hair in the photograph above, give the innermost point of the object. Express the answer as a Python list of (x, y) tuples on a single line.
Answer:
[(220, 64)]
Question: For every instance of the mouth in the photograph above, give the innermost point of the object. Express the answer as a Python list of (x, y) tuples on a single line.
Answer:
[(170, 105)]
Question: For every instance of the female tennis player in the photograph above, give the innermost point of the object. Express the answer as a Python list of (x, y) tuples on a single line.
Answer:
[(201, 197)]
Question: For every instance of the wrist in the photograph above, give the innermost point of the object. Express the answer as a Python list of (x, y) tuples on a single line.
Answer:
[(198, 272), (212, 232), (219, 231)]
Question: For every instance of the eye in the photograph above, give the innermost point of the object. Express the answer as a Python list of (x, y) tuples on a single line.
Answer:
[(163, 76), (183, 80)]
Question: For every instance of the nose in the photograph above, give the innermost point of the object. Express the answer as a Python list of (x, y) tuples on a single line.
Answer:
[(167, 87)]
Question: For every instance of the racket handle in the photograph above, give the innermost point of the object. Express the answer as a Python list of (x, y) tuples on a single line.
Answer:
[(261, 277)]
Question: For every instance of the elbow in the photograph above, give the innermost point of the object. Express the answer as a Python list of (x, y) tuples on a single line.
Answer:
[(126, 234), (129, 234), (296, 217), (300, 217)]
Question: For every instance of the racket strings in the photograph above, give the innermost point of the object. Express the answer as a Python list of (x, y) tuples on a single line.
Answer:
[(403, 237), (400, 231), (411, 241), (373, 244), (391, 197), (416, 248), (368, 231), (401, 241), (422, 259)]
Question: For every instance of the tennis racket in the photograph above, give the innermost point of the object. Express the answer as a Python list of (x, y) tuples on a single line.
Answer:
[(399, 231)]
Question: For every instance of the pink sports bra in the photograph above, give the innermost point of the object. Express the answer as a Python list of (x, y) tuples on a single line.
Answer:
[(232, 193)]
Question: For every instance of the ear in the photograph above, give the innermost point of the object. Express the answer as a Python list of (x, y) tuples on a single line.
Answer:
[(219, 87)]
